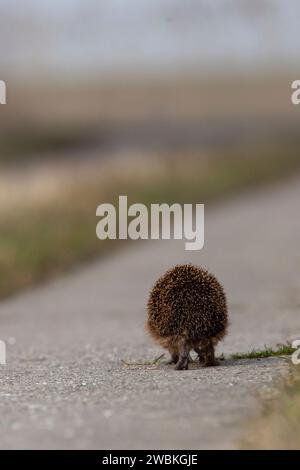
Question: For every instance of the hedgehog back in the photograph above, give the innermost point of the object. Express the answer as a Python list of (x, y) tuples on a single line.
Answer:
[(187, 300)]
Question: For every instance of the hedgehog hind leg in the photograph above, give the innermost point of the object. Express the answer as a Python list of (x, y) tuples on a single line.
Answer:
[(174, 355), (206, 354), (200, 355), (184, 352)]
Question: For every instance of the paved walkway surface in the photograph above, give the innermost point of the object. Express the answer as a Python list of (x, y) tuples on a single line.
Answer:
[(65, 385)]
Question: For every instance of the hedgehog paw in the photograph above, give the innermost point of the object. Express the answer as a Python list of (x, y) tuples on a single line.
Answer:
[(182, 365), (201, 359)]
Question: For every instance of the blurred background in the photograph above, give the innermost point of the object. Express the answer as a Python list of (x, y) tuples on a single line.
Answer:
[(160, 100)]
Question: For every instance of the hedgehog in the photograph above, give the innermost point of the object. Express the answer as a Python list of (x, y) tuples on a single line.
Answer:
[(187, 310)]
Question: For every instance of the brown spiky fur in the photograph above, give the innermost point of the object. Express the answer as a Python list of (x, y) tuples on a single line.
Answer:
[(187, 310)]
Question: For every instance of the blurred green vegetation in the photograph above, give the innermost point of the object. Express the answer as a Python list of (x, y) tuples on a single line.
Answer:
[(19, 143), (279, 426), (40, 241)]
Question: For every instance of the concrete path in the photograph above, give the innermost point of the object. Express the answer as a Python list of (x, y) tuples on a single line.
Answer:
[(65, 386)]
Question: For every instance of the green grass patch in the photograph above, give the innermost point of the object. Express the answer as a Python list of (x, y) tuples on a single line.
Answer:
[(281, 350)]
